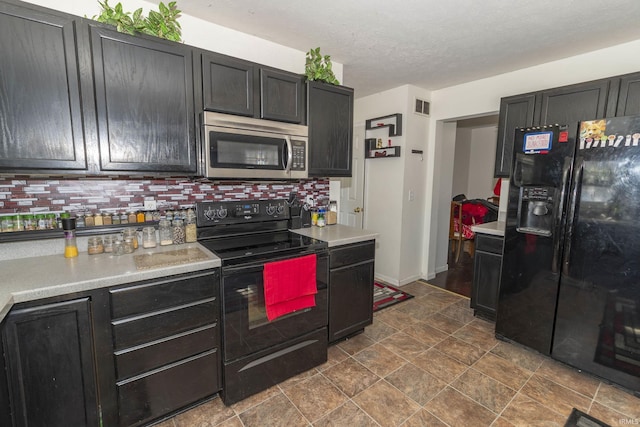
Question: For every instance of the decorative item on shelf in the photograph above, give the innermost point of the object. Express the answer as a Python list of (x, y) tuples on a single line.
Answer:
[(392, 121), (318, 67), (163, 23), (374, 149)]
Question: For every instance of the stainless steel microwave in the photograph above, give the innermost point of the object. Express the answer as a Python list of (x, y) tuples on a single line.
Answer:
[(248, 148)]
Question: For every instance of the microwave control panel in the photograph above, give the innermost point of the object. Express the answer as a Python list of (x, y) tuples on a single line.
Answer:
[(299, 149)]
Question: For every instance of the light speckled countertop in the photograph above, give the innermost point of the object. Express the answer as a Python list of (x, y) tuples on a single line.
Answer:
[(336, 235), (28, 279), (495, 228)]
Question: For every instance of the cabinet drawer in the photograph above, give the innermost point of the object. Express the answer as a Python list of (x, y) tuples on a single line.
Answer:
[(136, 360), (157, 295), (352, 254), (144, 398), (133, 331), (489, 243)]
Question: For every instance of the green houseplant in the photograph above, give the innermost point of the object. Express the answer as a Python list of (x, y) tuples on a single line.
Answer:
[(318, 67), (162, 23)]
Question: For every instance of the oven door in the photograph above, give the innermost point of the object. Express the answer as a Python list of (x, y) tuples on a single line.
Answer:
[(246, 328)]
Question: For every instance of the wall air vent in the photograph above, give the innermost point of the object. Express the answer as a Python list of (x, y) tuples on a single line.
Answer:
[(422, 107)]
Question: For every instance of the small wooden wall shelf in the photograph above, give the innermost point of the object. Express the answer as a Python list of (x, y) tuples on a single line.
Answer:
[(371, 152), (392, 121)]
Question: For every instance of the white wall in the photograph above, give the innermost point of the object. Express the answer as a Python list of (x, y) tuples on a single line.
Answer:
[(388, 210), (205, 35), (460, 182), (482, 158), (482, 97)]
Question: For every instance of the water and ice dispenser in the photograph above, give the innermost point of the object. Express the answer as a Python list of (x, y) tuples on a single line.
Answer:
[(535, 210)]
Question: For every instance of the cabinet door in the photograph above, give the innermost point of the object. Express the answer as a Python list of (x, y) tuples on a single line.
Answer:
[(569, 105), (41, 123), (629, 96), (229, 84), (281, 96), (145, 106), (350, 299), (515, 112), (49, 352), (330, 121), (486, 282)]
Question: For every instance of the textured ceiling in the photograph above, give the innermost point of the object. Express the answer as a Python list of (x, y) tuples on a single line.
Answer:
[(429, 43)]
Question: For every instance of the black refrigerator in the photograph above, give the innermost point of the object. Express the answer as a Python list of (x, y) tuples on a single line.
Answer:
[(570, 280)]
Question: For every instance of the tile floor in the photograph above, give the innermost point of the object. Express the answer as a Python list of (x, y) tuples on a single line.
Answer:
[(425, 362)]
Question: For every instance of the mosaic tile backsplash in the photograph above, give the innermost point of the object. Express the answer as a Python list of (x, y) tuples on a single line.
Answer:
[(109, 195)]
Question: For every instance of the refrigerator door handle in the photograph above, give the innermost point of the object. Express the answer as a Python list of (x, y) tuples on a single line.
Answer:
[(573, 207), (559, 209)]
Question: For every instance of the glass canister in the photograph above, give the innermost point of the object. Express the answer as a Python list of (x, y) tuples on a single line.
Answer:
[(178, 233), (149, 237), (95, 245), (128, 245), (107, 242), (164, 230), (118, 247), (131, 234), (190, 230)]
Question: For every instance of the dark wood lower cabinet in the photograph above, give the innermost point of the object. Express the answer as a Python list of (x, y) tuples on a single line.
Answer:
[(350, 289), (51, 373), (487, 264)]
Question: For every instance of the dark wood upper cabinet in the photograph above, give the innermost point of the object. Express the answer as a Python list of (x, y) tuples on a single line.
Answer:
[(281, 96), (144, 103), (330, 121), (571, 104), (41, 118), (628, 96), (228, 84), (515, 112), (51, 372)]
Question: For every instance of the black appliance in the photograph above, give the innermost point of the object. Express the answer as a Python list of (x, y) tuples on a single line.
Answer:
[(258, 353), (570, 283)]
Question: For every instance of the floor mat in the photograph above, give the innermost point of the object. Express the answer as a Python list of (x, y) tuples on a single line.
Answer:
[(580, 419), (386, 295)]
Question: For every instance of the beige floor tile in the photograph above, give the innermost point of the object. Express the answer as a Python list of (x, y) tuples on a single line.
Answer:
[(394, 318), (274, 412), (169, 423), (417, 289), (416, 383), (315, 397), (379, 331), (425, 333), (455, 409), (460, 350), (488, 392), (346, 415), (444, 323), (231, 422), (485, 325), (476, 336), (351, 377), (569, 377), (335, 355), (208, 414), (379, 360), (609, 416), (256, 399), (619, 400), (404, 345), (523, 358), (386, 404), (501, 422), (423, 418), (502, 370), (455, 311), (355, 344), (526, 412), (439, 365), (554, 396), (419, 308)]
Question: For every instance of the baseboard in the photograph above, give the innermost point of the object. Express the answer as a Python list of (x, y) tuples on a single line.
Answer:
[(441, 269), (388, 280), (410, 279)]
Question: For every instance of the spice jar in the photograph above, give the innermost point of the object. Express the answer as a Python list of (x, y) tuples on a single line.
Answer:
[(95, 246), (89, 220), (6, 224), (131, 218), (51, 221), (140, 216), (178, 233), (149, 237), (28, 222), (97, 219), (115, 218), (124, 218), (107, 219), (164, 230), (190, 230)]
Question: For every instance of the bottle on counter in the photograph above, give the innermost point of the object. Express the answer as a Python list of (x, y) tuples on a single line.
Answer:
[(178, 233), (70, 245), (190, 229), (164, 230), (149, 237), (321, 222)]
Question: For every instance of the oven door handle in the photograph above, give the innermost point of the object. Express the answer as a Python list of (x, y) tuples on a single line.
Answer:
[(259, 265), (289, 163)]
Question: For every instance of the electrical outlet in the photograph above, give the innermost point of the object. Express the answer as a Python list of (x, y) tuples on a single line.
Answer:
[(412, 196), (309, 200), (150, 205)]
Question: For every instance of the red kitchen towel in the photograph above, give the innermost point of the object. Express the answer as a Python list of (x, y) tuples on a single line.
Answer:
[(289, 285)]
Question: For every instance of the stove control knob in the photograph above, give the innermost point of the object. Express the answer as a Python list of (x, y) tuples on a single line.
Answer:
[(271, 210), (222, 213), (210, 214), (280, 209)]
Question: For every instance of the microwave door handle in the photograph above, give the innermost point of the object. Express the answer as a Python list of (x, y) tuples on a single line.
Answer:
[(289, 163)]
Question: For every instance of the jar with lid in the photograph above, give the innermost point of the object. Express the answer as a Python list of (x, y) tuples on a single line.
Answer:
[(190, 230), (28, 222), (128, 245), (80, 220), (149, 237), (164, 230), (95, 246), (89, 220), (118, 247), (132, 235), (124, 218), (97, 219), (107, 219), (148, 216), (51, 221), (132, 218), (115, 218), (178, 233), (140, 216), (6, 223)]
